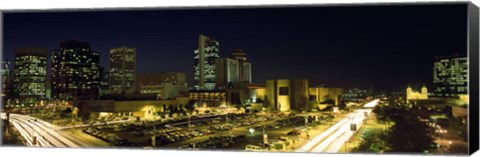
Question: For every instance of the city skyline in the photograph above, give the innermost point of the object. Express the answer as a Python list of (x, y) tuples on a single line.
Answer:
[(351, 79), (308, 41)]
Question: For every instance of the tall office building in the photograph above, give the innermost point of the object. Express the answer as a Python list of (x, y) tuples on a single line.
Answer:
[(5, 71), (233, 70), (30, 74), (75, 71), (227, 72), (204, 63), (122, 69), (450, 75), (245, 67), (104, 81)]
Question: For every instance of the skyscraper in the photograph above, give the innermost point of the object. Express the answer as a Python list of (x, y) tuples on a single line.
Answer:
[(75, 71), (450, 75), (227, 72), (104, 81), (204, 63), (30, 74), (5, 71), (235, 69), (122, 69), (245, 67)]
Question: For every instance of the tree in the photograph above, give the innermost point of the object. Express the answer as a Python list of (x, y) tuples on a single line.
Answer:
[(85, 115), (312, 104), (460, 128), (342, 105), (374, 143), (190, 106), (408, 134), (66, 113)]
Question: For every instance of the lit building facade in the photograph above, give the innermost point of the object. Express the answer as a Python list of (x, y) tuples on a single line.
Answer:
[(256, 92), (245, 67), (5, 71), (161, 77), (287, 94), (322, 94), (75, 71), (415, 95), (450, 76), (164, 90), (227, 72), (122, 73), (30, 74), (148, 109), (233, 70), (205, 55), (165, 85)]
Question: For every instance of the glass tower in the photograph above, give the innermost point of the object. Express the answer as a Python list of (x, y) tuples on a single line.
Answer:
[(204, 63), (75, 71), (122, 70), (30, 74), (450, 75), (5, 71)]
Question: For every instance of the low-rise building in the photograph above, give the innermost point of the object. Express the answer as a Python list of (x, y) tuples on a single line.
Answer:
[(141, 108), (287, 94), (414, 95), (322, 94)]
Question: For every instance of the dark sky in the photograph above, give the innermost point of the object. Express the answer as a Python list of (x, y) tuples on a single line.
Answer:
[(385, 47)]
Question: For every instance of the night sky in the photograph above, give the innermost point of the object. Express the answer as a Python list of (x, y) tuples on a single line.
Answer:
[(385, 47)]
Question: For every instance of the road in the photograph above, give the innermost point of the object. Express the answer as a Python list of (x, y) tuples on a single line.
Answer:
[(334, 138), (39, 133)]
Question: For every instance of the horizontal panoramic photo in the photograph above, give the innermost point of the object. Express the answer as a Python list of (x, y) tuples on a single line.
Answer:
[(312, 79)]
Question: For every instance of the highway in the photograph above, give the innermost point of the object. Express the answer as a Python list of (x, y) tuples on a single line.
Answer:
[(334, 138), (39, 133)]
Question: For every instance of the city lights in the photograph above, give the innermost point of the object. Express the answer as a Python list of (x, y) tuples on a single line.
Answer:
[(309, 84)]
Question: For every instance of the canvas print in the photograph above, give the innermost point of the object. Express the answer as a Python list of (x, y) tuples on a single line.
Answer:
[(312, 79)]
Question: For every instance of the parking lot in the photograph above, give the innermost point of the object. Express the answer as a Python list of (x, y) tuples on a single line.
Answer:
[(230, 131)]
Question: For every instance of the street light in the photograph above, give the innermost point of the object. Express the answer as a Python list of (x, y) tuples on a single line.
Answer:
[(251, 131)]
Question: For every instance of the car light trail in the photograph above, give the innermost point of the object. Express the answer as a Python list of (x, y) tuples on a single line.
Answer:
[(307, 147), (44, 132), (372, 104), (332, 139)]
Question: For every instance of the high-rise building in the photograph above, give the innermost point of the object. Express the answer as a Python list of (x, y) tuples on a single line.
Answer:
[(245, 67), (233, 70), (5, 71), (30, 74), (75, 71), (450, 76), (122, 69), (227, 72), (204, 63), (104, 81)]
